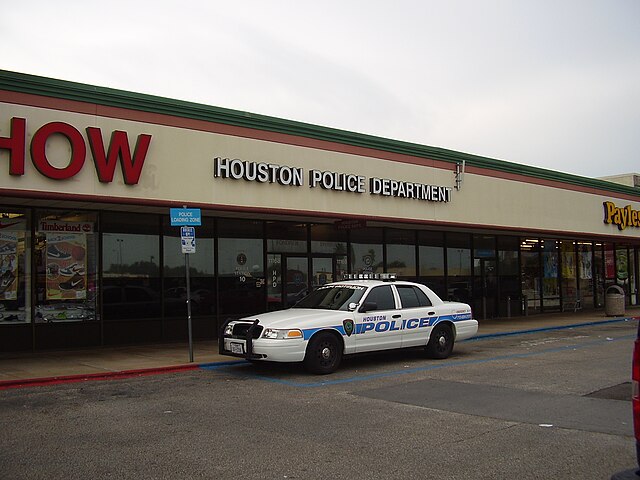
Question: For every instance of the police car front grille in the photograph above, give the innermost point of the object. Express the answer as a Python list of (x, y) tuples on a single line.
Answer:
[(240, 330)]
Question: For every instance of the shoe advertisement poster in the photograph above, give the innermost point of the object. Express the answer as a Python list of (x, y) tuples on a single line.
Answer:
[(8, 266), (66, 271)]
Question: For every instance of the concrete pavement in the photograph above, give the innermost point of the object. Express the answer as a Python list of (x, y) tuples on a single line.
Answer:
[(29, 368)]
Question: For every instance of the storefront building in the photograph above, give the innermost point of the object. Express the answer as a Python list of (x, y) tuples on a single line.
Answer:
[(88, 256)]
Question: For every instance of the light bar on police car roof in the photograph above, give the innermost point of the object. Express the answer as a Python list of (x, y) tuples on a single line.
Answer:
[(369, 276)]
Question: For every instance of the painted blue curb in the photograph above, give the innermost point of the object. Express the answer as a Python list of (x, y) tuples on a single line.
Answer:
[(548, 329)]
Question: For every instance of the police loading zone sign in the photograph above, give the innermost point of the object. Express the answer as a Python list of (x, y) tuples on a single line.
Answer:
[(187, 219), (188, 239)]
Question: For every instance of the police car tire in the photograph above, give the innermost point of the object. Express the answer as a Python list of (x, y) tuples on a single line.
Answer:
[(324, 354), (440, 342)]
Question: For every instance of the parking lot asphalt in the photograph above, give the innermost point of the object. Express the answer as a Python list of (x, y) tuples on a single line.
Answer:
[(40, 368), (550, 401)]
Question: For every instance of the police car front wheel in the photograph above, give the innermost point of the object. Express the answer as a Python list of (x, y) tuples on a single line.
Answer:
[(324, 354), (440, 342)]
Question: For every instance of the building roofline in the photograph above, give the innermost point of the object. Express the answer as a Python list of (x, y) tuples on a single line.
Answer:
[(62, 89)]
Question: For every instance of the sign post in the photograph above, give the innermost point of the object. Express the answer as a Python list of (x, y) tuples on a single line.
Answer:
[(187, 219)]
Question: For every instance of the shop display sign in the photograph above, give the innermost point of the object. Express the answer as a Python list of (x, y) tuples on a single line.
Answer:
[(237, 169), (8, 266), (105, 156), (65, 265), (622, 217)]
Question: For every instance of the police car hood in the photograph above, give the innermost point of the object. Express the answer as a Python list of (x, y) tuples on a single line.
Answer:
[(298, 318)]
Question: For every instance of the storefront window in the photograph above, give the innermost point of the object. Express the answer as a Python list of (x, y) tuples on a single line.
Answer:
[(585, 274), (459, 274), (485, 279), (241, 276), (458, 255), (508, 277), (366, 251), (15, 267), (431, 261), (131, 272), (609, 263), (328, 239), (622, 269), (570, 294), (599, 268), (531, 275), (401, 253), (286, 237), (201, 271), (633, 286), (550, 285), (66, 247)]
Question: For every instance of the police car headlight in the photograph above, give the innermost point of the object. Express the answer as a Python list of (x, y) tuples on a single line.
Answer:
[(273, 333), (228, 331)]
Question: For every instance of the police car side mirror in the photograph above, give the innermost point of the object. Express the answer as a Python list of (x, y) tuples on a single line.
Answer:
[(368, 307), (352, 306)]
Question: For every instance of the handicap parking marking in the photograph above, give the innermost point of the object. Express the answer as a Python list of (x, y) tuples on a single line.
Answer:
[(240, 368)]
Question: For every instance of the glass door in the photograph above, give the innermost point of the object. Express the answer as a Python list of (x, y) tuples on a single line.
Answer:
[(289, 279), (296, 284), (489, 287)]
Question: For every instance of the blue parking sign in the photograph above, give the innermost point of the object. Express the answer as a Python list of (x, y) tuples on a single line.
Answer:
[(187, 232), (185, 216)]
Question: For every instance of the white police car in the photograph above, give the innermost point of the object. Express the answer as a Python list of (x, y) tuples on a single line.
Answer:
[(352, 316)]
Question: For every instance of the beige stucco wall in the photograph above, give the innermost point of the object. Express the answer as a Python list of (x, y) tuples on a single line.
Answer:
[(180, 163)]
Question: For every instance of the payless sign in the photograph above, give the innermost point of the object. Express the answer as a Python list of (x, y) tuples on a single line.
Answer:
[(622, 217), (104, 159)]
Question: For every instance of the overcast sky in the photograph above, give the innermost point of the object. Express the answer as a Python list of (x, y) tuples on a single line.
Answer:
[(548, 83)]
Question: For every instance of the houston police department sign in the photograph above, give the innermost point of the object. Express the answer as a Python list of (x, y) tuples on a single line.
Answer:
[(346, 182)]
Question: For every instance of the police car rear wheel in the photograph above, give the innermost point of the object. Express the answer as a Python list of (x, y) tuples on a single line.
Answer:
[(324, 354), (441, 342)]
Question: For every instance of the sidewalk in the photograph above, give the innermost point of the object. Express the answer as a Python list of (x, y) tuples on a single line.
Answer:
[(103, 362)]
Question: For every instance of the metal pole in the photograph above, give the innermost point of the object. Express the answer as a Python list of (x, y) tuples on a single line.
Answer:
[(186, 265)]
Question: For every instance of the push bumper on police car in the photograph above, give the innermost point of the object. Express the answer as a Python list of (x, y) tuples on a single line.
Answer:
[(245, 340)]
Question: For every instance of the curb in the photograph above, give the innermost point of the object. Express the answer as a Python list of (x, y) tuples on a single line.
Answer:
[(143, 372)]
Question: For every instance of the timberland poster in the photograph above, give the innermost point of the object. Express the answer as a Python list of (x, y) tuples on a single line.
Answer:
[(66, 266), (8, 266)]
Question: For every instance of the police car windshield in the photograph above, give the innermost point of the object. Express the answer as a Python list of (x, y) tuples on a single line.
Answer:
[(336, 297)]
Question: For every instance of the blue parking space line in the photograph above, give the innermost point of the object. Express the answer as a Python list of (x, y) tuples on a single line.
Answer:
[(213, 365), (548, 329), (393, 373)]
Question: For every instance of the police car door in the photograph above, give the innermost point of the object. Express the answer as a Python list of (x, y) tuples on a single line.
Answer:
[(417, 315), (376, 327)]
